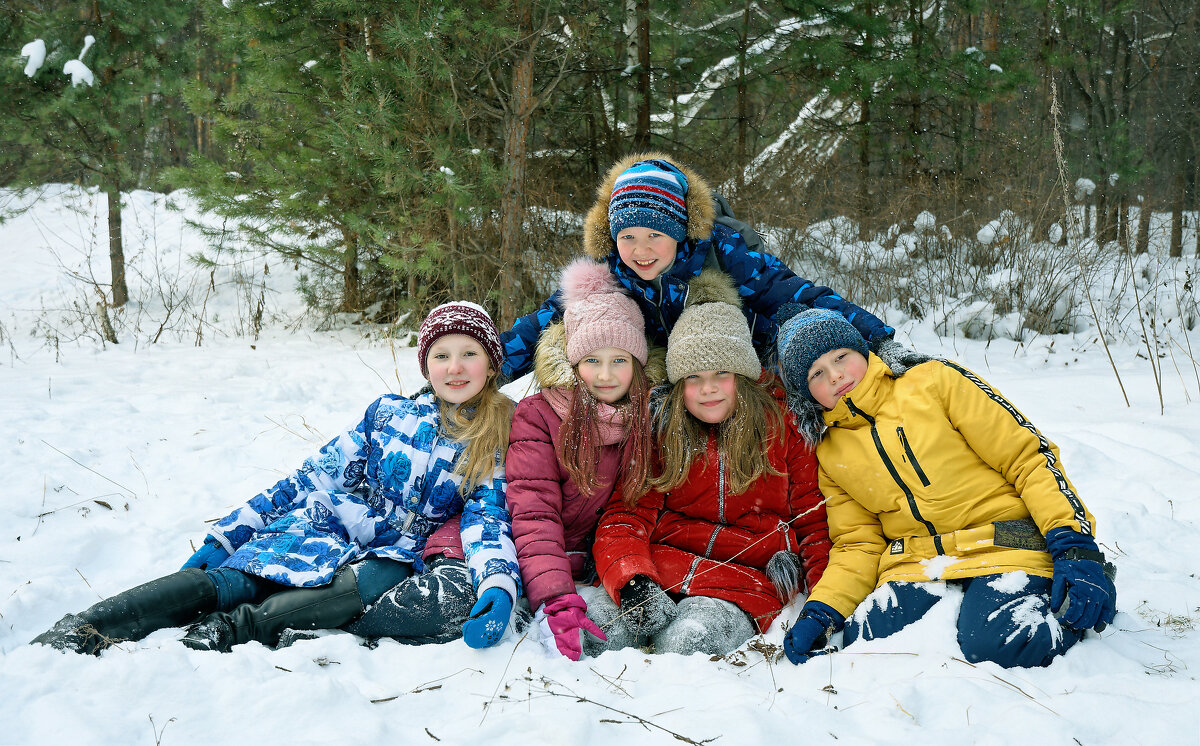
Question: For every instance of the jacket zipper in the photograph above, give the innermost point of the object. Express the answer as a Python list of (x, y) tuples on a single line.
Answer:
[(912, 457), (912, 500), (712, 540)]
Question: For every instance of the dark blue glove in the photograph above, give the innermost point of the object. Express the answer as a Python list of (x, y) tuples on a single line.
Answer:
[(1082, 594), (809, 636), (489, 618), (209, 556)]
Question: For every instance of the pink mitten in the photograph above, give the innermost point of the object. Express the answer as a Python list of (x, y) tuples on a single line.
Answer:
[(566, 616)]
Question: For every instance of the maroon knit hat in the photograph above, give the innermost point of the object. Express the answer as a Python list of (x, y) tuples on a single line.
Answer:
[(459, 317)]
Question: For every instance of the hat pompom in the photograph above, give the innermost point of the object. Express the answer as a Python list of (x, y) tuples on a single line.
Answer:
[(787, 311), (583, 278), (713, 286)]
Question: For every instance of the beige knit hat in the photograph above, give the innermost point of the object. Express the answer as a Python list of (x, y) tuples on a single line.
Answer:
[(712, 333)]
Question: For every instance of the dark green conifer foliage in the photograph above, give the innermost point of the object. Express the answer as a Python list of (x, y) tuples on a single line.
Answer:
[(350, 140), (114, 132)]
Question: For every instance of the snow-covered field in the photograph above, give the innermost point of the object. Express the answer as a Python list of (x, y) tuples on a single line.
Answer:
[(116, 455)]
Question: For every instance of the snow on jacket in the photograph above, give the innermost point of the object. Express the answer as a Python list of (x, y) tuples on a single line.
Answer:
[(378, 490), (935, 475), (763, 281), (697, 540)]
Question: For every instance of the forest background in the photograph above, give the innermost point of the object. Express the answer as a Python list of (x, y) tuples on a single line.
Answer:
[(400, 153)]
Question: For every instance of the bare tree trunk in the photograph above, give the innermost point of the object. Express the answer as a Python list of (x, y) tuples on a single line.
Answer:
[(351, 295), (914, 121), (641, 133), (1179, 189), (1144, 213), (116, 249), (865, 201), (865, 206), (741, 98), (518, 114), (1123, 219), (991, 43)]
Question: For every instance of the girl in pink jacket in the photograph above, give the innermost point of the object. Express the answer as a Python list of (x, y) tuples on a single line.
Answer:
[(569, 441)]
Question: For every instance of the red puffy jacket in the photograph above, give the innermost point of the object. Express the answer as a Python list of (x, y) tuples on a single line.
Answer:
[(696, 540)]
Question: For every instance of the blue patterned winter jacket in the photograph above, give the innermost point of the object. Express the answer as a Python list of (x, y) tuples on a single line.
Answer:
[(378, 490)]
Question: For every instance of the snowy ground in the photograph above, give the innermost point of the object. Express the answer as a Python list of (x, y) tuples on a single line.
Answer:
[(116, 455)]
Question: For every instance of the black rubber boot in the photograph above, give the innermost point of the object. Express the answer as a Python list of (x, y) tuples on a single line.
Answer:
[(174, 600), (324, 607)]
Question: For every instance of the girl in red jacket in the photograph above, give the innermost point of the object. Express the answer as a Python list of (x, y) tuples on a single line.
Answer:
[(569, 441), (733, 521)]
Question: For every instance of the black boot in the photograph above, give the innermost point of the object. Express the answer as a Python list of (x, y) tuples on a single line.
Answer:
[(324, 607), (174, 600)]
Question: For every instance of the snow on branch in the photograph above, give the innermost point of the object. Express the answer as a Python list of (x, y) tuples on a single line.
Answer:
[(719, 75), (36, 52), (817, 144), (79, 72)]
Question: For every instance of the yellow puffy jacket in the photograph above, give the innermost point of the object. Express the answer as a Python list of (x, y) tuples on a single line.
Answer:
[(936, 476)]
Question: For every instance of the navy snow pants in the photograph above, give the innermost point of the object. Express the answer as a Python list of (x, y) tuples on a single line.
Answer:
[(1001, 619)]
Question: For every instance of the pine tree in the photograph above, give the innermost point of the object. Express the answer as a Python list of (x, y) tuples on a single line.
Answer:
[(101, 107), (352, 140)]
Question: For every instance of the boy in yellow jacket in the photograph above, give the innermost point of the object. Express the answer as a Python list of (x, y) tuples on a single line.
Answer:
[(932, 478)]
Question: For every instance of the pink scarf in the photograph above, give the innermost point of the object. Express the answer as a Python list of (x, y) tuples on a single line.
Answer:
[(611, 419)]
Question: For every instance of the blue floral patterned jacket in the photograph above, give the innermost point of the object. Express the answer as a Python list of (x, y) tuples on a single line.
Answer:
[(378, 490)]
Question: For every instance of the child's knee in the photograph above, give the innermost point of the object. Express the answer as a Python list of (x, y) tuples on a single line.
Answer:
[(1025, 646), (705, 625), (1006, 619), (890, 608)]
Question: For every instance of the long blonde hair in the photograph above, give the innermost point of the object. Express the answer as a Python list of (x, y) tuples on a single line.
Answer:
[(744, 438), (482, 423)]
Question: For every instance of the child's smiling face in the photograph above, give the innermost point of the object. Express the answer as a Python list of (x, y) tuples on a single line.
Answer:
[(646, 251), (710, 395), (835, 374), (607, 374), (458, 368)]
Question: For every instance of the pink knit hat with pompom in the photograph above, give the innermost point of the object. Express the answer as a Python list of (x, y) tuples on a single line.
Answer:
[(598, 313)]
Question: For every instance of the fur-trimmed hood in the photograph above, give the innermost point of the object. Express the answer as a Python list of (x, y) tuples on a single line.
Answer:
[(551, 367), (701, 207)]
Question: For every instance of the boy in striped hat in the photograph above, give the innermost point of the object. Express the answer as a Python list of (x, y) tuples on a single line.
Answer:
[(655, 224)]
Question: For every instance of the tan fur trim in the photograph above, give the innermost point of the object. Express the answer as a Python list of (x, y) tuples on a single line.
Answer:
[(713, 286), (550, 365), (702, 210), (656, 366)]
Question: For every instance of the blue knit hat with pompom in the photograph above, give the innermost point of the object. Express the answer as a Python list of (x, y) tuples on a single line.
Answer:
[(806, 334)]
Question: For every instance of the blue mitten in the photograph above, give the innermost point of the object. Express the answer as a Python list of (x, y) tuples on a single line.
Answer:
[(1082, 594), (209, 556), (489, 618), (809, 636)]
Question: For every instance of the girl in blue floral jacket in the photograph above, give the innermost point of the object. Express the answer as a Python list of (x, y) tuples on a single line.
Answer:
[(314, 550)]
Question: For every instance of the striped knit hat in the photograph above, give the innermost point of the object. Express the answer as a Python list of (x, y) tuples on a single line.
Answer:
[(650, 194), (459, 317)]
